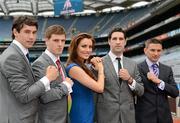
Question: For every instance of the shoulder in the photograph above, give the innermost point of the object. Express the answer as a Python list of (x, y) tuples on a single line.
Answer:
[(164, 66), (68, 67), (129, 60), (39, 59), (40, 62)]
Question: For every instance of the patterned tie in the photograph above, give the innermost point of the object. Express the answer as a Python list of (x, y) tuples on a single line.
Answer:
[(63, 78), (155, 69), (60, 69), (119, 67)]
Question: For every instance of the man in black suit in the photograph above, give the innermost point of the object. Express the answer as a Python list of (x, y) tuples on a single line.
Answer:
[(153, 106)]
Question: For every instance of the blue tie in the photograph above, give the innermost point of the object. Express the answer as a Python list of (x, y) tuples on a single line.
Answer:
[(155, 69)]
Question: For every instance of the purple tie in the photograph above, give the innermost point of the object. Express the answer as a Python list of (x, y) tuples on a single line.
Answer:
[(155, 69)]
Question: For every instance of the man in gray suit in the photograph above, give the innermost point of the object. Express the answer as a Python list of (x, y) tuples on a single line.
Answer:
[(53, 104), (122, 83), (19, 91)]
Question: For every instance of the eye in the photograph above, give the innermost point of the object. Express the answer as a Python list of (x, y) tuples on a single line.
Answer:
[(114, 38), (84, 46)]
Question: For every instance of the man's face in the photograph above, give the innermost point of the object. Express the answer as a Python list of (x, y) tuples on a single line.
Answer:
[(55, 44), (117, 43), (26, 36), (153, 52)]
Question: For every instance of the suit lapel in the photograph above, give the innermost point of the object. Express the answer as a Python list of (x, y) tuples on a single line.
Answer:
[(48, 59), (23, 57), (160, 73), (64, 71), (145, 68), (110, 68)]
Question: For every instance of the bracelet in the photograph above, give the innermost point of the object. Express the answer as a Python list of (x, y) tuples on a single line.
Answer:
[(129, 80)]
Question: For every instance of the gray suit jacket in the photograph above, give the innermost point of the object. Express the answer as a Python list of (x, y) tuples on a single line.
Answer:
[(53, 104), (116, 103), (18, 88)]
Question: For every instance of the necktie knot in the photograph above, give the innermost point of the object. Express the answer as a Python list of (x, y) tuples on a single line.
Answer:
[(154, 66), (58, 63), (119, 59)]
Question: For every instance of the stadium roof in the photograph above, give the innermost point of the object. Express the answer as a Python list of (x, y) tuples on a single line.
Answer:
[(40, 7)]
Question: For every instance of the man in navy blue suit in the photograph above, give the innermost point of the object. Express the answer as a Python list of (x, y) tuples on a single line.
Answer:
[(153, 106)]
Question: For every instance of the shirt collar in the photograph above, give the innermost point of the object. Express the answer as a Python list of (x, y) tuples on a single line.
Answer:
[(51, 55), (150, 63), (113, 56), (22, 48)]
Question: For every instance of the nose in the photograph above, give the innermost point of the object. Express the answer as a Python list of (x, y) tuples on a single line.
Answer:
[(60, 43), (89, 49), (156, 53), (32, 35)]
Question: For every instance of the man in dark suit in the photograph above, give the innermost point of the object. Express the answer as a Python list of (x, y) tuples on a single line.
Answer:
[(122, 83), (53, 104), (19, 91), (153, 106)]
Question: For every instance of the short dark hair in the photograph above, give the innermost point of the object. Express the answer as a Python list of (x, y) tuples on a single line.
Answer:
[(152, 41), (54, 29), (20, 21), (117, 29)]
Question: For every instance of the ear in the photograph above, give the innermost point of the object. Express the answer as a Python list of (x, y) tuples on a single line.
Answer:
[(109, 41), (145, 49), (46, 41), (15, 32)]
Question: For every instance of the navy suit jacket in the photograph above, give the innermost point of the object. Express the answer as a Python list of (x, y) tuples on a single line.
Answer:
[(153, 106)]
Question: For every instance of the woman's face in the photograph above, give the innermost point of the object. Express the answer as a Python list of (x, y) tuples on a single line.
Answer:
[(84, 49)]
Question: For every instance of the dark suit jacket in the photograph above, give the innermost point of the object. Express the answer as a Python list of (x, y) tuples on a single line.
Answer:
[(116, 103), (153, 106), (53, 103), (18, 88)]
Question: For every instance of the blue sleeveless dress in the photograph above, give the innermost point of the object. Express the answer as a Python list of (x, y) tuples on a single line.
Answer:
[(82, 110)]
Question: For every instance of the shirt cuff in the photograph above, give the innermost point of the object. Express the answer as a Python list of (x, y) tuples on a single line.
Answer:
[(46, 83), (69, 86), (161, 85), (132, 86)]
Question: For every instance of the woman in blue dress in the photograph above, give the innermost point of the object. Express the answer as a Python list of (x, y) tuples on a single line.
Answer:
[(80, 50)]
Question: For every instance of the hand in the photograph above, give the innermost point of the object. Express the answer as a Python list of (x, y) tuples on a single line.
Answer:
[(52, 73), (69, 80), (97, 63), (151, 76), (124, 74)]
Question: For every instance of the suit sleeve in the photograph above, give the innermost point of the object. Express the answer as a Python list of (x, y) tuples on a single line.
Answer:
[(20, 79), (139, 88), (170, 86), (55, 93)]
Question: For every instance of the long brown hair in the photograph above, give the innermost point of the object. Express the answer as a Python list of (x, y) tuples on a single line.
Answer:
[(73, 56)]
